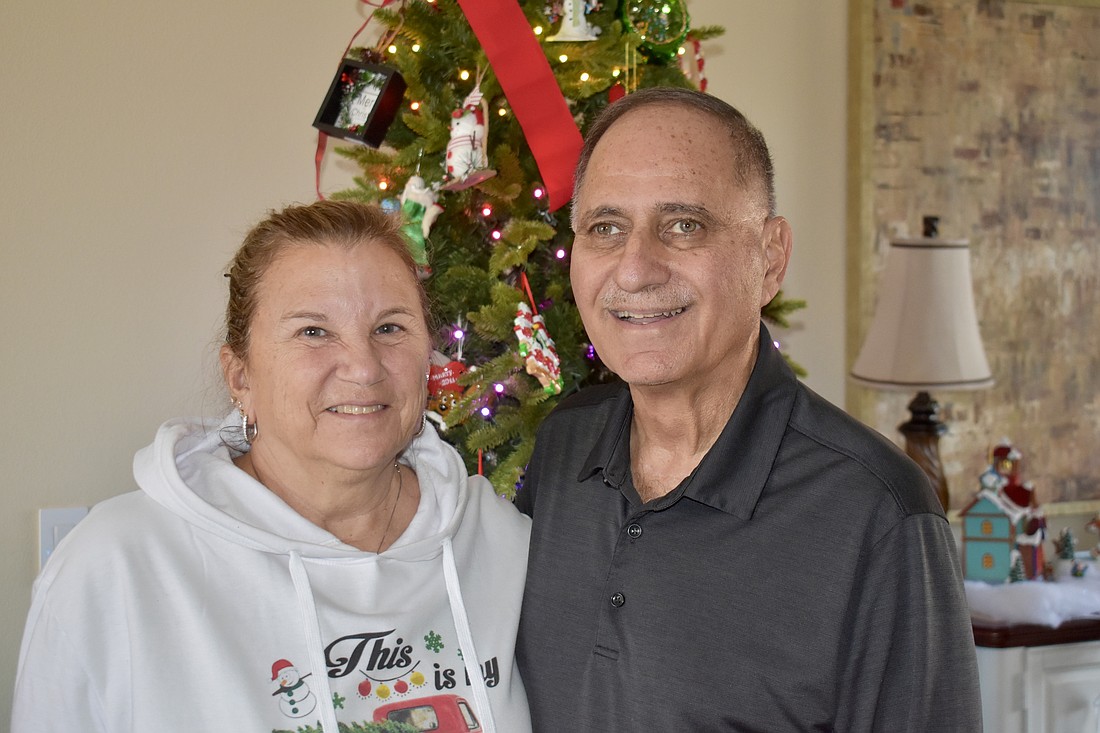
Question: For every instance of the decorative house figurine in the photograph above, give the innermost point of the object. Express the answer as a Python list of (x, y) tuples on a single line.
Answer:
[(1004, 518)]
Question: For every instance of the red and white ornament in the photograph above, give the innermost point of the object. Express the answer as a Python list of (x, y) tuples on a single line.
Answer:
[(541, 359), (467, 161)]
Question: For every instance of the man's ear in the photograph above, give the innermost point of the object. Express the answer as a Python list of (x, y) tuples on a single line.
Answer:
[(777, 243), (235, 375)]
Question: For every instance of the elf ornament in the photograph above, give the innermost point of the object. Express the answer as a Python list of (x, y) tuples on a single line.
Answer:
[(419, 211), (467, 162), (535, 345)]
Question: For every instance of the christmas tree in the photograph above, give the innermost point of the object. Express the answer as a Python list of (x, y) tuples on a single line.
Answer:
[(481, 215)]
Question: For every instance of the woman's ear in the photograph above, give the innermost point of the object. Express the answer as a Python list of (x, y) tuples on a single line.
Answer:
[(235, 375), (778, 242)]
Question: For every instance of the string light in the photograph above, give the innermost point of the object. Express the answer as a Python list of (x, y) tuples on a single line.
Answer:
[(464, 75), (496, 235), (584, 76), (392, 49), (486, 211), (458, 334), (538, 193), (486, 412), (681, 51), (615, 73), (414, 106), (383, 185), (498, 388), (563, 58), (560, 254), (416, 48), (502, 112), (538, 30)]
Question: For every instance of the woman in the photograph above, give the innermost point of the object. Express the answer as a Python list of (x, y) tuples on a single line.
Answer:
[(321, 556)]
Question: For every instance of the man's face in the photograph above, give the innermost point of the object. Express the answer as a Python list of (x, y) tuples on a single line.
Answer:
[(671, 259)]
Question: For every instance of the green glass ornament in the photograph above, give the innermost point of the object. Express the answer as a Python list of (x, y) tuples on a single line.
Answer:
[(662, 25)]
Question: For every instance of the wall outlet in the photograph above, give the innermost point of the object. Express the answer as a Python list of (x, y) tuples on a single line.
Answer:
[(53, 525)]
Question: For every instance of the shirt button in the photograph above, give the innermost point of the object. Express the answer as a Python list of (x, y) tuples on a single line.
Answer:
[(618, 600), (635, 531)]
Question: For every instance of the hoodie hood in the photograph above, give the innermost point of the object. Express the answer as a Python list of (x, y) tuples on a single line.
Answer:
[(188, 469)]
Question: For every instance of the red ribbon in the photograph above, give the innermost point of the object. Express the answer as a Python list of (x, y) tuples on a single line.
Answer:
[(532, 91)]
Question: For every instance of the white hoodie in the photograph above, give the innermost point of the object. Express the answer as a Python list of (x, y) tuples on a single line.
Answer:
[(203, 603)]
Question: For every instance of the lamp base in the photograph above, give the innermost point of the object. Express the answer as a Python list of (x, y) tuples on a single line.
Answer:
[(922, 442)]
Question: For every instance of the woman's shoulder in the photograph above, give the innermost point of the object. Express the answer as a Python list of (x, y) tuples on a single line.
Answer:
[(114, 532), (495, 509)]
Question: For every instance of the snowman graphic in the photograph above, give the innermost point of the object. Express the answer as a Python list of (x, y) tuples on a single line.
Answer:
[(295, 699)]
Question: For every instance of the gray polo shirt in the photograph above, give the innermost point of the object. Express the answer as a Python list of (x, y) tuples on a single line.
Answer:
[(802, 578)]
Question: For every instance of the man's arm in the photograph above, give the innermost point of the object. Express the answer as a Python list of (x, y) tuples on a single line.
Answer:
[(910, 664)]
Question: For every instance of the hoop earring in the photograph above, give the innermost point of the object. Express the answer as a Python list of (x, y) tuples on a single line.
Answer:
[(249, 430), (420, 430)]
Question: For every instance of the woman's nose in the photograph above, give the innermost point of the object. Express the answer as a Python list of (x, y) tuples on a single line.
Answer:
[(362, 363)]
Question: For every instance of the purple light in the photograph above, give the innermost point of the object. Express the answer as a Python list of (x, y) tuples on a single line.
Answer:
[(590, 352), (459, 334), (498, 388), (560, 254), (776, 344), (496, 234), (538, 192), (487, 211), (486, 412)]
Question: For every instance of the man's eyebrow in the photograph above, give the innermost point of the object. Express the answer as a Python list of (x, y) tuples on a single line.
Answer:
[(602, 211), (675, 207)]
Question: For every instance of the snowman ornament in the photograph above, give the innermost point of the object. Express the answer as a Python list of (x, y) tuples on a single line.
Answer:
[(295, 698)]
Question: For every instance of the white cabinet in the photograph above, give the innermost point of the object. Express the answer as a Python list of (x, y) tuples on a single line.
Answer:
[(1041, 689)]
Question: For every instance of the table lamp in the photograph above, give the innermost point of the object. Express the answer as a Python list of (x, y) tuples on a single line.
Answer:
[(924, 337)]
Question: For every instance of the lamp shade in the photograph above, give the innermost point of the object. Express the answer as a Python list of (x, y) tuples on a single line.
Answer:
[(924, 335)]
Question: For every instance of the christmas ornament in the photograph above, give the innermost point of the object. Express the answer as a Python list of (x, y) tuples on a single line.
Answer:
[(662, 25), (574, 24), (419, 211), (361, 103), (467, 160), (444, 391), (541, 360), (694, 68)]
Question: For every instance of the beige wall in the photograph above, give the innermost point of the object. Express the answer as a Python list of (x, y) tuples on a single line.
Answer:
[(141, 139)]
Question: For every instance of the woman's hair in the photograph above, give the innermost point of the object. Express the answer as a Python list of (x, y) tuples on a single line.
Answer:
[(340, 223), (754, 162)]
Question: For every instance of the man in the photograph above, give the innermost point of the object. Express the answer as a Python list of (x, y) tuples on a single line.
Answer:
[(716, 548)]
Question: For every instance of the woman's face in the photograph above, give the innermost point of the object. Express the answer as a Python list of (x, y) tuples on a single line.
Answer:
[(338, 352)]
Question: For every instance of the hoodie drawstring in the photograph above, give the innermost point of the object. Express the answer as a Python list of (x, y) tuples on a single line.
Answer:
[(313, 634), (466, 639)]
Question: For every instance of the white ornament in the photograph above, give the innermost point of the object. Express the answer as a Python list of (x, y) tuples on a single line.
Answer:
[(574, 24), (467, 162)]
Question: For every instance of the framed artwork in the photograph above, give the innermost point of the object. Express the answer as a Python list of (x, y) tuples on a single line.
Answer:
[(361, 103), (986, 113)]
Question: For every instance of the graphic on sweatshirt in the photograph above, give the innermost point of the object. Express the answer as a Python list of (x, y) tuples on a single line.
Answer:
[(295, 698), (378, 678)]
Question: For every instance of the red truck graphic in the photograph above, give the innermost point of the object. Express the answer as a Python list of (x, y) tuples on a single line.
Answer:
[(442, 713)]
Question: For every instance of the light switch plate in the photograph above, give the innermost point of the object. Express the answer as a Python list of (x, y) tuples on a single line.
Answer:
[(53, 525)]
